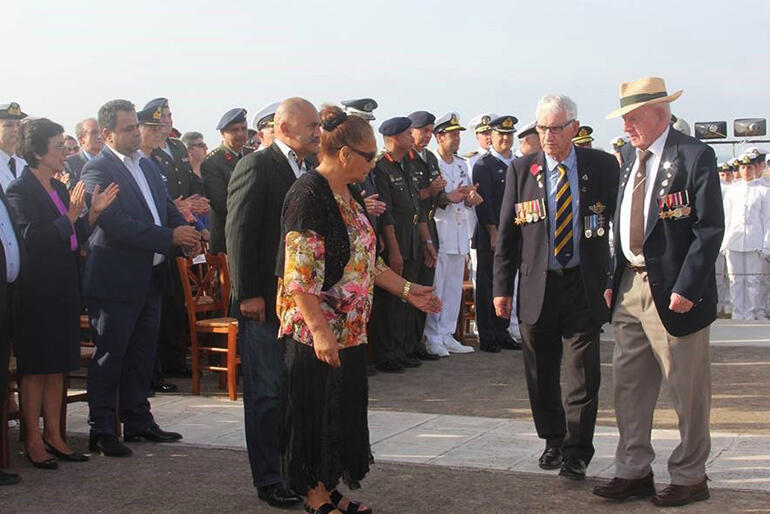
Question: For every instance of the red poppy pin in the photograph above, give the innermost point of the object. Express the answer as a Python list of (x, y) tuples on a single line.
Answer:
[(228, 156), (535, 169)]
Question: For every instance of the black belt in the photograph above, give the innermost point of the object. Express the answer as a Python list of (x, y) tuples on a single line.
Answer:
[(564, 271)]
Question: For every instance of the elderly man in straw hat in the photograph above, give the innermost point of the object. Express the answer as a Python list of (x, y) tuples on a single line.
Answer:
[(668, 227)]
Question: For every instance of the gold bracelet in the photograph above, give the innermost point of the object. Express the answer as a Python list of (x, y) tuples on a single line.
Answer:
[(405, 292)]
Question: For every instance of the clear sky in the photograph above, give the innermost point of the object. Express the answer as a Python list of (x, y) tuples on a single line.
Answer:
[(64, 59)]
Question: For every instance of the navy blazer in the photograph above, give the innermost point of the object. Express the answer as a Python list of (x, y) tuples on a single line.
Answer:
[(121, 247), (489, 173), (525, 247), (680, 253)]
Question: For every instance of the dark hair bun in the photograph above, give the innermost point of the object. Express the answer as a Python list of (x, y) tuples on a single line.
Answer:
[(332, 117)]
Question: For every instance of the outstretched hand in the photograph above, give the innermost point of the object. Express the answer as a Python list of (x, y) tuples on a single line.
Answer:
[(422, 297)]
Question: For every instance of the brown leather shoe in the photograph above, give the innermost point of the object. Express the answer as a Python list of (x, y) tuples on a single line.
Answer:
[(675, 495), (622, 488)]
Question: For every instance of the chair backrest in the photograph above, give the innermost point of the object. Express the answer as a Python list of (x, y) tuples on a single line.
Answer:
[(206, 286)]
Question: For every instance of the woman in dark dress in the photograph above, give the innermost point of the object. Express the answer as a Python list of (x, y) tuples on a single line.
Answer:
[(52, 224), (329, 267)]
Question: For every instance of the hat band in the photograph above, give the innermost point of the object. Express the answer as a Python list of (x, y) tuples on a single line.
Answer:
[(641, 97)]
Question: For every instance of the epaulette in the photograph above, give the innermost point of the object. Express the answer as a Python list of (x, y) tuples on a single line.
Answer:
[(470, 154)]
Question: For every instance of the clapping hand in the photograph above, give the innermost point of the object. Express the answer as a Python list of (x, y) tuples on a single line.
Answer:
[(457, 195), (474, 198), (198, 204), (422, 297), (77, 200), (100, 200), (437, 185)]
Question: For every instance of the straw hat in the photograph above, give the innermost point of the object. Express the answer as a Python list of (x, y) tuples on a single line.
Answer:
[(649, 90)]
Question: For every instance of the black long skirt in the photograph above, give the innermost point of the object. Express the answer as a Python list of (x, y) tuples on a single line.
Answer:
[(324, 424)]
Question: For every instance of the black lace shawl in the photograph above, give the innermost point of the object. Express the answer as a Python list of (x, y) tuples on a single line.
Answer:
[(310, 205)]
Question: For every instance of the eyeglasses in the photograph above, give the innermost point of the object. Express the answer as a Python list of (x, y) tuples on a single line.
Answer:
[(369, 156), (555, 129), (199, 145)]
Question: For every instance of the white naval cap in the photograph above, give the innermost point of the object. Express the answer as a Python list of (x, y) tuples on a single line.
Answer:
[(480, 122), (265, 116), (526, 130)]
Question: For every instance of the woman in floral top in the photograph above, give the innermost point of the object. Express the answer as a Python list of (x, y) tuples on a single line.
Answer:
[(329, 268)]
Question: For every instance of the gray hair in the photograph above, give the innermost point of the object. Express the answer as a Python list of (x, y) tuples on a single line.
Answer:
[(188, 138), (80, 129), (556, 104)]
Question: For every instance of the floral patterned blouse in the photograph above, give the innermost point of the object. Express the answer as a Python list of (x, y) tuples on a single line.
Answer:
[(348, 303)]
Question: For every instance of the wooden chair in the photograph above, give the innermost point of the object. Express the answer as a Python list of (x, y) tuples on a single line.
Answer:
[(467, 308), (6, 414), (206, 289)]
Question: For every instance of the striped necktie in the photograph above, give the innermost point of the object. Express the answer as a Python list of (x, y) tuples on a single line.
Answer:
[(562, 238)]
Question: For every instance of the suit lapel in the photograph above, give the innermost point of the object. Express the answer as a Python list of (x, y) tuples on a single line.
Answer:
[(41, 193), (129, 178), (663, 181), (283, 166)]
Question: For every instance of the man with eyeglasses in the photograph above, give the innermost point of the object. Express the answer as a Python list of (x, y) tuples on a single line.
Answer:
[(217, 168), (11, 165), (489, 174), (91, 143), (553, 231)]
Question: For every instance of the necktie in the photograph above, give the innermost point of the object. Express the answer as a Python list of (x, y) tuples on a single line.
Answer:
[(12, 165), (562, 237), (636, 236)]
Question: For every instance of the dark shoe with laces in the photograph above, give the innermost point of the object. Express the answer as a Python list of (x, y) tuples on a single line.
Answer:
[(108, 445), (9, 478), (676, 495), (551, 458), (489, 346), (573, 468), (509, 343), (153, 434), (390, 367), (410, 362), (622, 488), (424, 355), (278, 496)]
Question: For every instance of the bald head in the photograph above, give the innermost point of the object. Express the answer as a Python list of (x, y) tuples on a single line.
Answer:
[(298, 126)]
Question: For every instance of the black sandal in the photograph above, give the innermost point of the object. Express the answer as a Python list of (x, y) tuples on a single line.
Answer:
[(353, 507), (326, 508)]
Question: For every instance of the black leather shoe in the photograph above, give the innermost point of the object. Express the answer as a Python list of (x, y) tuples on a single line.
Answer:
[(510, 343), (43, 464), (573, 468), (153, 434), (108, 445), (390, 367), (409, 362), (551, 458), (9, 478), (489, 346), (278, 496), (622, 488), (164, 387), (68, 457), (424, 355)]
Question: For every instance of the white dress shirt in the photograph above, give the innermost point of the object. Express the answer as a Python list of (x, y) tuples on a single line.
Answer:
[(132, 163), (653, 162), (452, 221), (298, 168), (6, 177)]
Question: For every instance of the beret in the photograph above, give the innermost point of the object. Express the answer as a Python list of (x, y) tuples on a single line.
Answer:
[(237, 115), (395, 126), (421, 119)]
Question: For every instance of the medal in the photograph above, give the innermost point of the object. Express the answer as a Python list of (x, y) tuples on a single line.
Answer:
[(535, 211), (528, 210), (600, 231), (543, 209)]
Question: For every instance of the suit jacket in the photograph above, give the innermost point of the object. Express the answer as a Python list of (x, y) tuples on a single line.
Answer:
[(119, 265), (74, 165), (489, 173), (526, 248), (216, 170), (680, 253), (253, 230)]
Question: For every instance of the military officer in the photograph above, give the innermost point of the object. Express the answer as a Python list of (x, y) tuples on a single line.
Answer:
[(720, 268), (529, 141), (11, 164), (216, 169), (583, 137), (361, 107), (453, 246), (264, 124), (422, 166), (621, 150), (399, 231), (489, 174), (483, 132)]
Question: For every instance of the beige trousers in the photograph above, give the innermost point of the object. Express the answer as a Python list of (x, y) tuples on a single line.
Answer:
[(644, 354)]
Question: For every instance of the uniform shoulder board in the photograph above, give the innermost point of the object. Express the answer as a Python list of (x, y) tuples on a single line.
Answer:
[(470, 154), (213, 152)]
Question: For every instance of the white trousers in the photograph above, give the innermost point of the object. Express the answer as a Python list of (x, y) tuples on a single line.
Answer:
[(449, 287), (747, 292), (723, 285)]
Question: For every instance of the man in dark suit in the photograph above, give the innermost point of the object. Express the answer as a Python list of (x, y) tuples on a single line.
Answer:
[(253, 230), (216, 169), (126, 272), (10, 268), (91, 143), (668, 228), (489, 172), (553, 230)]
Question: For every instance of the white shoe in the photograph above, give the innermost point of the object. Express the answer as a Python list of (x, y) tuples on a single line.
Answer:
[(454, 346), (436, 347)]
